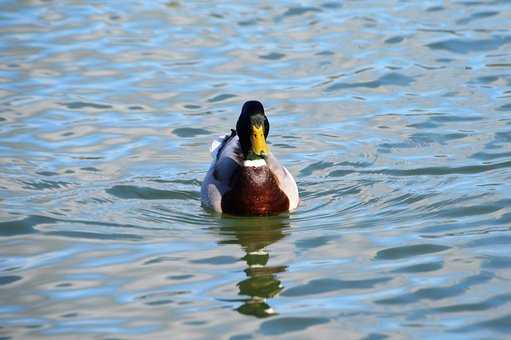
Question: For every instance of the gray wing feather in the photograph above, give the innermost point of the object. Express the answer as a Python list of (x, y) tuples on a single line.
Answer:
[(217, 181)]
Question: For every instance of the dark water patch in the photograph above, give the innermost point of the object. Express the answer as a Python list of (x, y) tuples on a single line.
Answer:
[(430, 68), (272, 56), (95, 236), (473, 210), (190, 132), (192, 182), (363, 69), (161, 294), (313, 242), (441, 171), (27, 226), (504, 108), (321, 286), (196, 322), (421, 267), (450, 94), (85, 105), (325, 53), (309, 169), (300, 10), (221, 97), (490, 242), (375, 336), (459, 228), (179, 277), (453, 118), (435, 9), (487, 79), (488, 304), (135, 108), (389, 79), (284, 146), (432, 171), (355, 164), (216, 15), (438, 293), (305, 193), (424, 125), (496, 262), (465, 46), (445, 60), (159, 302), (241, 337), (161, 259), (409, 251), (192, 106), (424, 139), (503, 136), (217, 260), (165, 215), (346, 191), (24, 226), (476, 16), (88, 157), (407, 199), (5, 280), (499, 324), (47, 173), (161, 298), (147, 193), (45, 185), (249, 22), (331, 5), (90, 169), (394, 40), (284, 325), (448, 32), (498, 65), (340, 173), (69, 315), (471, 3)]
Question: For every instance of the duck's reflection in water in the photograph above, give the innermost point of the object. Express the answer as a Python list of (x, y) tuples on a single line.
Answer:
[(254, 235)]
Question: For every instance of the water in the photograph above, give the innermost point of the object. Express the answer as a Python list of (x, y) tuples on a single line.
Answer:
[(394, 117)]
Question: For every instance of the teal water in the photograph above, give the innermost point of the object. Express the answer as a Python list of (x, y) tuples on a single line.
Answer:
[(393, 116)]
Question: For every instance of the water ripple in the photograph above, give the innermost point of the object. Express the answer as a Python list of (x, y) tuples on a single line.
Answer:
[(393, 118)]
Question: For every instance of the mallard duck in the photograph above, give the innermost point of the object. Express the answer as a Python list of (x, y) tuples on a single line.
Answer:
[(244, 177)]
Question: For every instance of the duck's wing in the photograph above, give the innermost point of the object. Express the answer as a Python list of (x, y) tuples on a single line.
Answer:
[(286, 181), (228, 157), (226, 153)]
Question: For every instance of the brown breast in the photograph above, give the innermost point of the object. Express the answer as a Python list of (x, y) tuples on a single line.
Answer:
[(254, 192)]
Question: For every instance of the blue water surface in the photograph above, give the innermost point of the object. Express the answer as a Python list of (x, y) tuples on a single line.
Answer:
[(393, 116)]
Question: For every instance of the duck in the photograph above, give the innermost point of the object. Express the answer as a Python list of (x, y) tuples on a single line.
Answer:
[(244, 177)]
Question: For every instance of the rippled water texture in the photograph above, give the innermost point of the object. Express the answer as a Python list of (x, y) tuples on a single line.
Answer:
[(394, 117)]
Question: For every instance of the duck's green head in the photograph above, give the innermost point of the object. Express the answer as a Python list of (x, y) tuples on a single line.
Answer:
[(252, 129)]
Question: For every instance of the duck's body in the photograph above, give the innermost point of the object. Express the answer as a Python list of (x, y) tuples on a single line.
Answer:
[(247, 179)]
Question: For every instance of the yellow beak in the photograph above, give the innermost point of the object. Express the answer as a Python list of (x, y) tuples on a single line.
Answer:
[(259, 146)]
